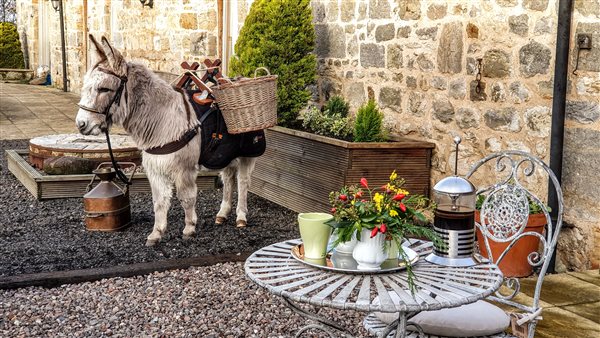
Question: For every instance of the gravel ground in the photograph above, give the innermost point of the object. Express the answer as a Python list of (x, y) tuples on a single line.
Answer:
[(216, 301), (42, 236)]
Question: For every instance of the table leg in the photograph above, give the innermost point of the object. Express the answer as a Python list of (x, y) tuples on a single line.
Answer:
[(400, 325), (324, 325)]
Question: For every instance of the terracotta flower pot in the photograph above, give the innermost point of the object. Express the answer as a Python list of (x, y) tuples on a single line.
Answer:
[(515, 264)]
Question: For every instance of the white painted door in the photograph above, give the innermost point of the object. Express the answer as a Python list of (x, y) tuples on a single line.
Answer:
[(44, 12)]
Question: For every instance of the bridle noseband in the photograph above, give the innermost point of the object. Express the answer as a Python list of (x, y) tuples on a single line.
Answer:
[(115, 100)]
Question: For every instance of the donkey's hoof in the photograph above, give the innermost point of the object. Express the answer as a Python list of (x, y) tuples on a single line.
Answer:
[(241, 223), (220, 220), (152, 242), (189, 236)]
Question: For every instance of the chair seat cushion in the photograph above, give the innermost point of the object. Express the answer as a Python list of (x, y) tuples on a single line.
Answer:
[(476, 319)]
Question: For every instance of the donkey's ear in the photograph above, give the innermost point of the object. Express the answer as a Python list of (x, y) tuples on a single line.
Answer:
[(97, 54), (115, 59)]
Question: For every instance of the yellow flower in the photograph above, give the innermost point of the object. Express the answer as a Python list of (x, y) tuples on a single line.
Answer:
[(393, 176), (401, 191), (378, 198), (393, 213)]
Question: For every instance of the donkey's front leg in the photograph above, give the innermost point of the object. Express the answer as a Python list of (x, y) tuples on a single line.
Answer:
[(227, 178), (161, 197), (186, 193), (244, 172)]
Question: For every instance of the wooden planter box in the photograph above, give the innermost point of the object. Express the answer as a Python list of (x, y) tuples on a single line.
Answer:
[(63, 186), (300, 169)]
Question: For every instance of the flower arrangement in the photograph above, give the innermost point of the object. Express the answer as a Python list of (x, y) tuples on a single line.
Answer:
[(389, 210)]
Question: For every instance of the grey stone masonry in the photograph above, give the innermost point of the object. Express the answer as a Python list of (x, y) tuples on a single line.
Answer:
[(394, 56), (390, 97), (379, 9), (583, 111), (534, 58), (450, 49), (536, 5), (505, 119), (518, 24), (372, 55), (347, 10), (443, 109), (496, 64), (409, 9), (385, 32), (589, 60), (330, 41)]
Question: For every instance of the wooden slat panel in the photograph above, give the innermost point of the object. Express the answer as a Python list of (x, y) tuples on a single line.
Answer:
[(286, 198), (19, 167)]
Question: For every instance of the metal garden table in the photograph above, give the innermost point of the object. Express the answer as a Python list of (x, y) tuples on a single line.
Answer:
[(438, 287)]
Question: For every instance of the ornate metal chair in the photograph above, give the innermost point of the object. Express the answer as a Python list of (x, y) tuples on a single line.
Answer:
[(504, 215)]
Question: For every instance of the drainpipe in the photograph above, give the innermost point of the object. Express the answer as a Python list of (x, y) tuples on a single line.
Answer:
[(62, 42), (561, 65)]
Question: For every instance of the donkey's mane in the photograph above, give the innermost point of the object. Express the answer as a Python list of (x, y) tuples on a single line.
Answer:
[(155, 113)]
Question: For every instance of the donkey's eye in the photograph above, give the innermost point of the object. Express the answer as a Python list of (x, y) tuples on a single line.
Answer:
[(104, 90)]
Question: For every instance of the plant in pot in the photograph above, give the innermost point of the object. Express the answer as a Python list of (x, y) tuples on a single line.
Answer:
[(515, 263), (380, 218)]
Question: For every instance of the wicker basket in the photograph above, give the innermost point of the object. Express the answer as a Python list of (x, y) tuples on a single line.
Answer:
[(248, 104)]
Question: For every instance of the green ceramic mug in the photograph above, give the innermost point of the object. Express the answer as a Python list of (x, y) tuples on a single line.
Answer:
[(315, 233)]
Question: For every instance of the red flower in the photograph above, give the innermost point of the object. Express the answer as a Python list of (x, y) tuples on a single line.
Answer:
[(333, 210), (383, 228), (364, 183), (402, 207), (399, 197), (359, 194), (374, 232), (343, 197)]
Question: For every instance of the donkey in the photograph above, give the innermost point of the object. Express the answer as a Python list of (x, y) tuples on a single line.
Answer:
[(154, 114)]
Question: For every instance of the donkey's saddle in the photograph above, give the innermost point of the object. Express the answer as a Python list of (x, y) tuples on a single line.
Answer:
[(219, 147)]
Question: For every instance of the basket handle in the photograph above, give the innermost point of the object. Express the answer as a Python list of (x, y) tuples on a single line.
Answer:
[(266, 70), (225, 79)]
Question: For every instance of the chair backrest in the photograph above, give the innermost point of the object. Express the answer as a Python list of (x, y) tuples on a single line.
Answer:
[(505, 212)]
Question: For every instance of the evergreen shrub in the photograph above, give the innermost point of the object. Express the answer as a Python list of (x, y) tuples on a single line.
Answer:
[(368, 126), (11, 55), (279, 35), (337, 106)]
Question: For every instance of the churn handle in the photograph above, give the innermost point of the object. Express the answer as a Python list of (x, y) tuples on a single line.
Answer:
[(131, 164), (89, 186)]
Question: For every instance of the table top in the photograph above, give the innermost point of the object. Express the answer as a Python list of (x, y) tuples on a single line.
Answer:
[(274, 268)]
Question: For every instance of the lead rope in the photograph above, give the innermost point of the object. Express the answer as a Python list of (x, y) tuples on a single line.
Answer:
[(120, 173)]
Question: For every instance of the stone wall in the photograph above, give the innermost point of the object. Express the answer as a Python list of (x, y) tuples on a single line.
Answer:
[(419, 60)]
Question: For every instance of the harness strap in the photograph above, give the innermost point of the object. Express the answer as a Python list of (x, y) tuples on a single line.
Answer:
[(172, 147)]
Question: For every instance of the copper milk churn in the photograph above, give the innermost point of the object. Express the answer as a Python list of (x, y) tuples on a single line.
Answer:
[(107, 206)]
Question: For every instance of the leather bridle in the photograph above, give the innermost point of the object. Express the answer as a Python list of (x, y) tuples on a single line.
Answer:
[(116, 98)]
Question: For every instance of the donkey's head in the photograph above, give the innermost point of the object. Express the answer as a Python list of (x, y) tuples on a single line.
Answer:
[(103, 89)]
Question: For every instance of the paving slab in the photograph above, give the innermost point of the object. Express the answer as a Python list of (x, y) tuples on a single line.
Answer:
[(559, 323), (590, 276), (589, 311), (563, 289)]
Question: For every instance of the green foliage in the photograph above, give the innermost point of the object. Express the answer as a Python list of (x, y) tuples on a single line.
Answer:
[(328, 124), (369, 124), (337, 106), (279, 35), (11, 55)]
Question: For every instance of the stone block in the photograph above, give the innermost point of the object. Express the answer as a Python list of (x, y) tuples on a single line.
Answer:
[(467, 118), (409, 9), (372, 55), (394, 56), (411, 82), (417, 104), (188, 21), (427, 33), (450, 48), (319, 12), (385, 32), (355, 94), (477, 95), (496, 64), (584, 112), (403, 32), (587, 7), (443, 110), (544, 25), (588, 59), (498, 92), (439, 83), (332, 11), (534, 58), (519, 92), (546, 89), (347, 10), (379, 9), (390, 98), (537, 120), (68, 165), (536, 5), (457, 89), (437, 11), (472, 66), (504, 119), (330, 41), (472, 31), (424, 62), (519, 24), (507, 3)]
